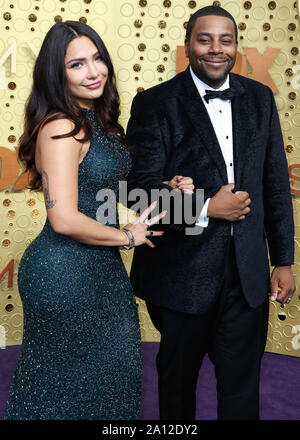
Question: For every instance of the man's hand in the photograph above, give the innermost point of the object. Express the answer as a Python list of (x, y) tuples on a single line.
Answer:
[(282, 284), (228, 205)]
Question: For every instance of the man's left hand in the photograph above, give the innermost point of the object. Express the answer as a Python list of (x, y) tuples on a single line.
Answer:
[(282, 284)]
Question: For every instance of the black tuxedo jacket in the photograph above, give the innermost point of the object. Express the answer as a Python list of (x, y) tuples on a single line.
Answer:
[(172, 134)]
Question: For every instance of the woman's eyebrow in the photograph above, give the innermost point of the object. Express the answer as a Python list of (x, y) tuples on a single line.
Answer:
[(81, 59)]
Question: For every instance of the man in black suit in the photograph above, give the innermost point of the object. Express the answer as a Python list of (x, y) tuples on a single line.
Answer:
[(209, 293)]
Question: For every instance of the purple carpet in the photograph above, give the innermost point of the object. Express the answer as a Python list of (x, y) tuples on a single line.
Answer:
[(280, 385)]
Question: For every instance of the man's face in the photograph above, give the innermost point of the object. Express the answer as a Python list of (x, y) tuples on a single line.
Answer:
[(212, 49)]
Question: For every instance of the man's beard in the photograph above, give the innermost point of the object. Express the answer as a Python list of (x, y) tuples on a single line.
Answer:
[(213, 81)]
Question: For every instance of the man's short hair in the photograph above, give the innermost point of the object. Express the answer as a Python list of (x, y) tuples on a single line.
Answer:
[(209, 10)]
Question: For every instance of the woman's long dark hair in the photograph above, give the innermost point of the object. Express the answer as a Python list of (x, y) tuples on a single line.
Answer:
[(51, 98)]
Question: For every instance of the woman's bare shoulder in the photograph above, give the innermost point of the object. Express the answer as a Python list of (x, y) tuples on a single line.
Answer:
[(56, 124)]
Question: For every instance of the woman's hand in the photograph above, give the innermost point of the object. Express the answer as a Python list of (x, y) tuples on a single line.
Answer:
[(140, 230), (180, 183)]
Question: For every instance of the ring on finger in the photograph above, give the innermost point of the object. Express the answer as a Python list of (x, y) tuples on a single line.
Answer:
[(147, 223), (289, 300), (151, 233)]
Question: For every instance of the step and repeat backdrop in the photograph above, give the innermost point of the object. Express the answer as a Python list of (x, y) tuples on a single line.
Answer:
[(145, 39)]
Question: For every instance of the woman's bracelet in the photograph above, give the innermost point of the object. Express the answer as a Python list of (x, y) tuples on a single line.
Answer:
[(131, 240)]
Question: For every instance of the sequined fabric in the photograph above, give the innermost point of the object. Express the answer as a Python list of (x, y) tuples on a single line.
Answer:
[(81, 353)]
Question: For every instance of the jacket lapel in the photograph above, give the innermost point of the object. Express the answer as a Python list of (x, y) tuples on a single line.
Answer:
[(192, 104), (241, 127)]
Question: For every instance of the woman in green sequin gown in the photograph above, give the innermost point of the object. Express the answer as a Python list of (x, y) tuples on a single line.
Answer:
[(81, 352)]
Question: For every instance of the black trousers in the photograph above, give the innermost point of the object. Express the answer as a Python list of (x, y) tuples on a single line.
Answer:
[(233, 335)]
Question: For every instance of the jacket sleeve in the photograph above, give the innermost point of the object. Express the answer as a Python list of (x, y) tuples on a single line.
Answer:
[(150, 157), (278, 210)]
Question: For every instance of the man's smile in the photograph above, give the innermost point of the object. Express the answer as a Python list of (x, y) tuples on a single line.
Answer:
[(214, 61)]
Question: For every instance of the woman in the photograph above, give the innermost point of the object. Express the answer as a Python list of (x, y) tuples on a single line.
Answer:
[(81, 355)]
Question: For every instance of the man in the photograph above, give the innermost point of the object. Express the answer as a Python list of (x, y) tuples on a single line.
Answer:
[(208, 293)]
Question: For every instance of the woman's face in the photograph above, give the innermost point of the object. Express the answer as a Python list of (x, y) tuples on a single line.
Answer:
[(85, 71)]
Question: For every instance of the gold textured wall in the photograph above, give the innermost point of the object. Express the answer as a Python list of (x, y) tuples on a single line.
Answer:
[(141, 36)]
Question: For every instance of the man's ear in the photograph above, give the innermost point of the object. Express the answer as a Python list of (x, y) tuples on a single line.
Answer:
[(186, 47)]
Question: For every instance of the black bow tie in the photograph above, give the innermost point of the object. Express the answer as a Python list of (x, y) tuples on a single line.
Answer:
[(224, 94)]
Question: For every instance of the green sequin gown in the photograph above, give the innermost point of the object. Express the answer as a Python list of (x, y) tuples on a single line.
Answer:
[(81, 351)]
